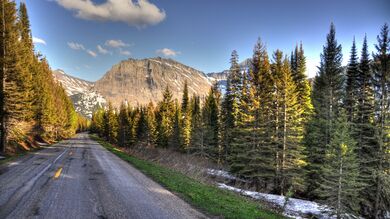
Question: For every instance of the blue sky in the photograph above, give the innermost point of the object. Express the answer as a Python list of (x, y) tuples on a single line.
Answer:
[(198, 33)]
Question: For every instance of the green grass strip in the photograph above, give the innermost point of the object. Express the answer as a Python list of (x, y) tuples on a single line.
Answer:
[(208, 198)]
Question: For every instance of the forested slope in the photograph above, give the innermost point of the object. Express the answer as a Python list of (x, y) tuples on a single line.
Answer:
[(32, 106)]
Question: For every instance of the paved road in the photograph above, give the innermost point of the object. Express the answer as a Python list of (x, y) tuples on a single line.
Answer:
[(78, 178)]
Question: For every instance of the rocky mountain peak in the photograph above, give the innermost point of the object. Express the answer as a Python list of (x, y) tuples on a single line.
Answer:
[(140, 81)]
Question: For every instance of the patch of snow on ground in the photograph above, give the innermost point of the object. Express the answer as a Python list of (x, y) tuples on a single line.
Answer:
[(220, 173), (294, 208)]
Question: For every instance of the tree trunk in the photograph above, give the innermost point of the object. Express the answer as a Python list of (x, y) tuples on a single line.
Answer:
[(339, 189), (3, 127), (284, 143)]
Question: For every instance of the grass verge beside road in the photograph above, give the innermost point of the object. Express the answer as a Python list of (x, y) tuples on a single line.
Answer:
[(207, 198)]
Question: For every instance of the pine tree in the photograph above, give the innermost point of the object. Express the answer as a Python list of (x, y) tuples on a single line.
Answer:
[(175, 138), (44, 103), (326, 97), (165, 118), (185, 131), (380, 198), (97, 124), (298, 69), (110, 124), (124, 130), (143, 129), (364, 127), (210, 116), (26, 52), (230, 104), (185, 102), (352, 86), (241, 135), (197, 143), (339, 186), (261, 155), (290, 148), (151, 122)]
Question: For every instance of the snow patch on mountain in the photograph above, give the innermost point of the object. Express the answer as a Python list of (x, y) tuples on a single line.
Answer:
[(85, 99)]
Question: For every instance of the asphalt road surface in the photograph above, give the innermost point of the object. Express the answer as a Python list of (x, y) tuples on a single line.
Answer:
[(78, 178)]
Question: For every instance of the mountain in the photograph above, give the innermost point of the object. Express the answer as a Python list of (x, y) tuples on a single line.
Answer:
[(142, 81), (134, 81), (85, 98)]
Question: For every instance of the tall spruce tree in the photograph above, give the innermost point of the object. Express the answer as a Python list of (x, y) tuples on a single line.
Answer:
[(210, 116), (298, 69), (143, 129), (26, 52), (230, 104), (197, 145), (151, 121), (110, 124), (352, 85), (290, 150), (364, 126), (339, 186), (326, 97), (124, 130), (185, 130), (261, 155), (241, 135), (97, 123), (381, 193), (175, 138), (165, 118)]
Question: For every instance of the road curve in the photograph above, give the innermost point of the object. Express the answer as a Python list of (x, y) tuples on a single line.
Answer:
[(78, 178)]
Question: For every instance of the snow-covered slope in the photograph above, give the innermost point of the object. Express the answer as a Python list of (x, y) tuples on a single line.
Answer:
[(85, 98), (72, 85)]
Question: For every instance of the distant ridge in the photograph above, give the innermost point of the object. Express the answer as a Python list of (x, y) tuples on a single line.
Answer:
[(143, 81), (136, 81)]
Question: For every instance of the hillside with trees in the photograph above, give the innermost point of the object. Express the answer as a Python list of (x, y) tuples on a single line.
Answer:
[(32, 106), (327, 142)]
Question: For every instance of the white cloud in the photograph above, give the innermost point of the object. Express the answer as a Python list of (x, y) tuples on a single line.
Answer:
[(167, 52), (140, 13), (102, 50), (79, 46), (37, 40), (91, 53), (76, 46), (116, 43), (124, 52)]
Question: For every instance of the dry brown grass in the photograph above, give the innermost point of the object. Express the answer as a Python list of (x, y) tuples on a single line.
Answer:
[(188, 164), (21, 138)]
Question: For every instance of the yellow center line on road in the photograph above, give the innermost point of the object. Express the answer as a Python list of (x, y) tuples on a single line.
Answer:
[(58, 173)]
